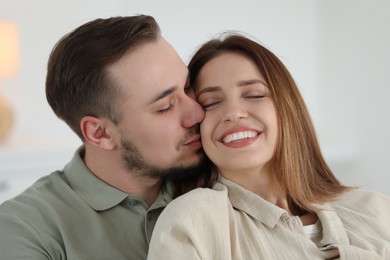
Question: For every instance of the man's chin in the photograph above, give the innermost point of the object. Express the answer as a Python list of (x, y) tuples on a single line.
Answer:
[(180, 172), (183, 172)]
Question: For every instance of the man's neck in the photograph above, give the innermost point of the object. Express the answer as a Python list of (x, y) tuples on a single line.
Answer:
[(143, 187), (107, 168)]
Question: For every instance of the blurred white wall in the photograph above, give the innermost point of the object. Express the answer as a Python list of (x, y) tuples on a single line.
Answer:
[(337, 50), (354, 88)]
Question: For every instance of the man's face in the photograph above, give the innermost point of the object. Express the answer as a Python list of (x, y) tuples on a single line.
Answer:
[(157, 131)]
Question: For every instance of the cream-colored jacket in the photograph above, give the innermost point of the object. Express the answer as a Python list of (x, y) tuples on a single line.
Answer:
[(229, 222)]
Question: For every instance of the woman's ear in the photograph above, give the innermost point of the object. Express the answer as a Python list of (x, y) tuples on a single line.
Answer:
[(95, 132)]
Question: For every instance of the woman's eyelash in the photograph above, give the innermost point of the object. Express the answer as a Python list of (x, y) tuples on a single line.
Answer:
[(210, 105), (205, 106), (255, 96)]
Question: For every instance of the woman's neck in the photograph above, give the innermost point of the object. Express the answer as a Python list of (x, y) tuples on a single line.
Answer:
[(261, 182)]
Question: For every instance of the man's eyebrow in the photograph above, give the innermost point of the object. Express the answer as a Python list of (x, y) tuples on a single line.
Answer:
[(163, 94)]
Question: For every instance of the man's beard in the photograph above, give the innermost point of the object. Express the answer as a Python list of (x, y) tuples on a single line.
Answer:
[(134, 162)]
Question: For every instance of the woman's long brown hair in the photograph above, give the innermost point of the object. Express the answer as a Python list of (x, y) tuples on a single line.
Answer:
[(298, 162)]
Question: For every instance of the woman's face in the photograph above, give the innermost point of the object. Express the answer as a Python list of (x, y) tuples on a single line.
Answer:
[(239, 130)]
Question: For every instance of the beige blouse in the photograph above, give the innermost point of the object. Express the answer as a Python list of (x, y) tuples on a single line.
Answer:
[(230, 222)]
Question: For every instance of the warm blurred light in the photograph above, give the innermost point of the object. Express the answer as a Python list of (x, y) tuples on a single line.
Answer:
[(9, 49), (9, 59)]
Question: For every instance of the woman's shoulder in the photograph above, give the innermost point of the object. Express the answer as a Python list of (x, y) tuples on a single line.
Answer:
[(199, 198), (193, 225), (362, 196), (197, 203), (360, 200)]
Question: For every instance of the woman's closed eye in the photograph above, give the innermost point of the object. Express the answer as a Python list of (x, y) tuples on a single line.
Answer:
[(254, 95), (210, 104)]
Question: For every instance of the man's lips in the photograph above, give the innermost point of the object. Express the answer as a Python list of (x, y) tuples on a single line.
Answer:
[(193, 141)]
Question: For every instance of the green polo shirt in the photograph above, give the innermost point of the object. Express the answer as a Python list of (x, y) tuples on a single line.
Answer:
[(71, 214)]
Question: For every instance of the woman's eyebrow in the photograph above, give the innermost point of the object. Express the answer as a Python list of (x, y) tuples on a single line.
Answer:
[(241, 83), (250, 82), (207, 90)]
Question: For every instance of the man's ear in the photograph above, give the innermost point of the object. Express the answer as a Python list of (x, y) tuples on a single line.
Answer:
[(95, 132)]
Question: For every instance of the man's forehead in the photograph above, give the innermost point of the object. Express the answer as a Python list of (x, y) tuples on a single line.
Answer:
[(151, 72)]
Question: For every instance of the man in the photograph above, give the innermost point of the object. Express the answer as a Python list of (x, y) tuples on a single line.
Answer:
[(122, 89)]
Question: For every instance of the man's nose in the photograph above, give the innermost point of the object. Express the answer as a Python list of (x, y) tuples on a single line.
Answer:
[(193, 113)]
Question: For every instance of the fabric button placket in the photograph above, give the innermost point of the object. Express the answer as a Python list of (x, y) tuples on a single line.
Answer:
[(149, 224)]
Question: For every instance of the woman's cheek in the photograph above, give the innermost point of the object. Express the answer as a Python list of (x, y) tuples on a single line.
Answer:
[(206, 131)]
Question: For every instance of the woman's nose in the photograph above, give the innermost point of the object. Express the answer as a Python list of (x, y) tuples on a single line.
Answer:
[(234, 111)]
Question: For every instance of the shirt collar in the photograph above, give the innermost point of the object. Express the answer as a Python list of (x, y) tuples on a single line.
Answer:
[(98, 194), (164, 197), (333, 230), (252, 204)]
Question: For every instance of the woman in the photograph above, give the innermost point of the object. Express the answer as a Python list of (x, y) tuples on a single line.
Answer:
[(275, 197)]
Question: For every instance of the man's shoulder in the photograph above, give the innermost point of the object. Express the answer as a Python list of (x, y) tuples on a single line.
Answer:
[(41, 195)]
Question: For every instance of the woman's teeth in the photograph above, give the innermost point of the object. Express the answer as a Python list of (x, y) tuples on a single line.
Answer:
[(239, 136)]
